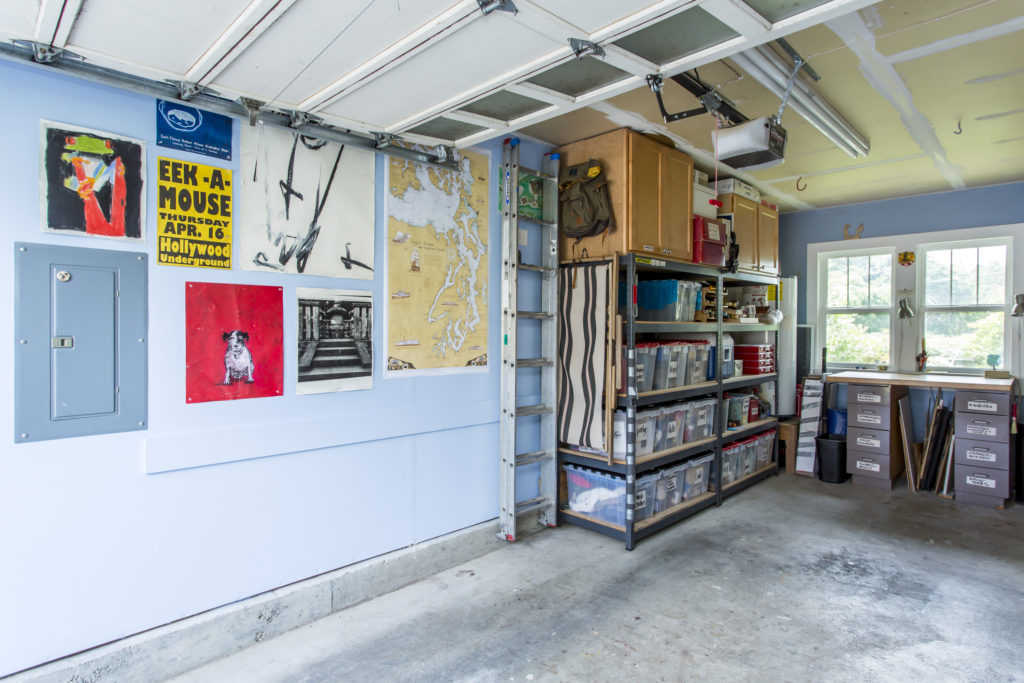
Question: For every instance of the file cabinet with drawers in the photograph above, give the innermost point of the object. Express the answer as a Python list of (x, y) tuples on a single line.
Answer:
[(874, 455), (983, 450)]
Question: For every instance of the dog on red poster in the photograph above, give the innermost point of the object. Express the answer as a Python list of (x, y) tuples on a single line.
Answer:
[(238, 362)]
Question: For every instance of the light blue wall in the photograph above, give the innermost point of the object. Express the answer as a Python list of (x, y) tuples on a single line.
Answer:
[(995, 205), (96, 549), (984, 206)]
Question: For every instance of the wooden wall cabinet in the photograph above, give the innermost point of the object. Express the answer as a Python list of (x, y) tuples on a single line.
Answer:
[(757, 231), (651, 190)]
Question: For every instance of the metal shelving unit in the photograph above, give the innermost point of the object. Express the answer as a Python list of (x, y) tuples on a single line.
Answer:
[(628, 464)]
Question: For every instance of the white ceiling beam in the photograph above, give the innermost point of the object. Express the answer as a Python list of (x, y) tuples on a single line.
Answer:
[(1011, 26), (818, 15), (475, 119), (491, 85), (243, 31), (640, 19), (546, 23), (852, 30), (456, 17), (54, 21), (738, 15), (538, 92), (627, 61)]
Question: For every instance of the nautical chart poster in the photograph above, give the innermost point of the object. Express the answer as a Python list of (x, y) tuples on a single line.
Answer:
[(437, 284), (305, 205), (91, 182), (234, 341)]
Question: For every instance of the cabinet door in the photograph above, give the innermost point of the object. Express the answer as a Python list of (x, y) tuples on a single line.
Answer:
[(645, 168), (744, 225), (677, 200), (767, 240)]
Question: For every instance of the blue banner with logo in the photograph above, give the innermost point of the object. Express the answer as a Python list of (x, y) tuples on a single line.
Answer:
[(182, 126)]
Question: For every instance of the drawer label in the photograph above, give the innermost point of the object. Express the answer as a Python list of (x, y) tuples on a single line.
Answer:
[(984, 406), (673, 369), (648, 247), (981, 429), (698, 475), (869, 466), (670, 484), (869, 442), (869, 398), (985, 482), (639, 372), (981, 456), (712, 231), (641, 499), (870, 419), (673, 430)]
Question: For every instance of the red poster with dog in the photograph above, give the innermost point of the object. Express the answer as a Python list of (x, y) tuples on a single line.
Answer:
[(234, 341)]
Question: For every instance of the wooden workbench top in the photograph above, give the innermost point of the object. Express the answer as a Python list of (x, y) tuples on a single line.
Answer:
[(927, 380)]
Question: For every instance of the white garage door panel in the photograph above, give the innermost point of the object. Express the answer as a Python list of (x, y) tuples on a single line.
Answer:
[(278, 56), (480, 51), (18, 18), (594, 15), (168, 36)]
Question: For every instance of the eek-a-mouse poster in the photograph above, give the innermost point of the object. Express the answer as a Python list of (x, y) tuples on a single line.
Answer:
[(234, 341)]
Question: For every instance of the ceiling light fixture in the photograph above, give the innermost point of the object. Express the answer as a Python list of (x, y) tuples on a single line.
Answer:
[(772, 72)]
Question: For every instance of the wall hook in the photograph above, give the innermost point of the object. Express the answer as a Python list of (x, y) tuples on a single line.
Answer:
[(798, 188), (959, 129), (856, 233)]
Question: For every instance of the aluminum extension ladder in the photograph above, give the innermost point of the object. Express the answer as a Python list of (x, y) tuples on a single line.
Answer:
[(539, 317)]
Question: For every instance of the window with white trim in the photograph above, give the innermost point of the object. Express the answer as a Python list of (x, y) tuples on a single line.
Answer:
[(857, 291), (964, 299)]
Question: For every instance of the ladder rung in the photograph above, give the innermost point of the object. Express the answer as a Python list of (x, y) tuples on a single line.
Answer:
[(539, 174), (532, 504), (544, 224), (526, 411), (534, 362), (534, 456), (538, 269), (535, 315)]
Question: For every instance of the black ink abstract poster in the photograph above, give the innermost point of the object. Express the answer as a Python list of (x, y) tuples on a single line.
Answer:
[(91, 182), (305, 205)]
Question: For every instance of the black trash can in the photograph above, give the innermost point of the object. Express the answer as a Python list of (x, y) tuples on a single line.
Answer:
[(831, 451)]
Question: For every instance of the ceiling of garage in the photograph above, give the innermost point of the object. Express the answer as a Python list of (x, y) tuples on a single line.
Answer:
[(935, 86)]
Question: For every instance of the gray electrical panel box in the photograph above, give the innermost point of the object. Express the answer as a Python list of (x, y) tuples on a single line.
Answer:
[(80, 319)]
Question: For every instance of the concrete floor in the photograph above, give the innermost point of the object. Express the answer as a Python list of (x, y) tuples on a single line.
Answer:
[(792, 579)]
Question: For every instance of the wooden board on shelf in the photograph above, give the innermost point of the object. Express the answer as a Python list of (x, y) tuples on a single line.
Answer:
[(747, 477), (675, 509)]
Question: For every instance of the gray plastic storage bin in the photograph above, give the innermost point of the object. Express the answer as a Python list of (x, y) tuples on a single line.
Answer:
[(700, 420), (666, 366), (685, 354), (697, 477), (644, 496), (729, 456), (596, 494), (670, 488), (697, 368), (765, 447), (646, 421), (643, 364)]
